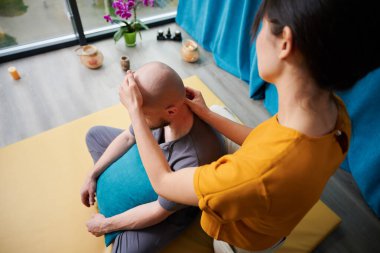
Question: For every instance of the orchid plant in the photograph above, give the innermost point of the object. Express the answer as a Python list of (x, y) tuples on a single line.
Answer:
[(125, 9)]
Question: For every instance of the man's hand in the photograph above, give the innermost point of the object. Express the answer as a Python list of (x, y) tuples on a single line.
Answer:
[(88, 191), (129, 93), (96, 225)]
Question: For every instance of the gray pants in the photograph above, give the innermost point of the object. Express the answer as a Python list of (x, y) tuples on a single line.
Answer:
[(98, 138), (147, 240)]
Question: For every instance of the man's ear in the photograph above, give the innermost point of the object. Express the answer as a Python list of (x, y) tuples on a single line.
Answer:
[(171, 110), (286, 42)]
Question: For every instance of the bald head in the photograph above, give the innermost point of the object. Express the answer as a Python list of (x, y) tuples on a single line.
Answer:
[(160, 85)]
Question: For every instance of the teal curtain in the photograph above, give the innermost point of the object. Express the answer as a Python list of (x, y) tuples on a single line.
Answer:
[(224, 28)]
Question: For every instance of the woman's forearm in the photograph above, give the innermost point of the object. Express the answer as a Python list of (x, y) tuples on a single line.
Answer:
[(175, 186), (232, 130)]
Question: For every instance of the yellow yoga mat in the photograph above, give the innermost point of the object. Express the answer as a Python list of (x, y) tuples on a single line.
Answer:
[(40, 180)]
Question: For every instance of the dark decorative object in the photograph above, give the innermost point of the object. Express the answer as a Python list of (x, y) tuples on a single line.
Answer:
[(177, 36), (160, 35), (168, 35)]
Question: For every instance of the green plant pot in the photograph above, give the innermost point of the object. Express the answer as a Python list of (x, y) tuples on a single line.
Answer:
[(130, 39)]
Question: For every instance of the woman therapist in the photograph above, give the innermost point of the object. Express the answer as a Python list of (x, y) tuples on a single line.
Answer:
[(252, 199)]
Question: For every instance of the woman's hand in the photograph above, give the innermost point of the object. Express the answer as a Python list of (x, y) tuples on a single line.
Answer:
[(97, 225), (129, 93), (195, 101)]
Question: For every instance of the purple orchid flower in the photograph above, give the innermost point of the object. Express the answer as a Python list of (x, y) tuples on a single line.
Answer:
[(124, 10), (123, 13), (148, 3), (131, 4), (124, 7), (108, 18), (117, 4)]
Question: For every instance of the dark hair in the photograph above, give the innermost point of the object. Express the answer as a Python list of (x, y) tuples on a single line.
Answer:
[(336, 37)]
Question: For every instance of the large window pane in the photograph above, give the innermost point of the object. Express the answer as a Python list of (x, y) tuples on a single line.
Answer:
[(92, 11), (27, 21)]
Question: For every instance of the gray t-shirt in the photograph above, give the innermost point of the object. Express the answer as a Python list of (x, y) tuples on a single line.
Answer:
[(200, 146)]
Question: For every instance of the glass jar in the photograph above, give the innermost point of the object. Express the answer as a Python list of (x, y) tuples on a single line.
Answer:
[(90, 56), (190, 51)]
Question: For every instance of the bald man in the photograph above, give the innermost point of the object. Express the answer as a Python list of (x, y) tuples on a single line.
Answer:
[(185, 140)]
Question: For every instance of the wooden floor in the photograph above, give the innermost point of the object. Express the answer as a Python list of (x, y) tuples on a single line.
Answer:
[(55, 89)]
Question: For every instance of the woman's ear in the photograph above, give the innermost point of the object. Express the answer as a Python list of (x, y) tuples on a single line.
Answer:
[(286, 42)]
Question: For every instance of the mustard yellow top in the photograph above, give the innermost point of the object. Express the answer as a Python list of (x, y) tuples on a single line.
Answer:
[(256, 196)]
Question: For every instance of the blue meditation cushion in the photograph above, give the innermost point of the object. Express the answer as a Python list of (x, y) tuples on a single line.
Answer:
[(122, 186)]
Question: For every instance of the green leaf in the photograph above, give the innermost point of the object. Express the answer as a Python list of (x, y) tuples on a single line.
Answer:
[(118, 35), (135, 27), (142, 25), (117, 21)]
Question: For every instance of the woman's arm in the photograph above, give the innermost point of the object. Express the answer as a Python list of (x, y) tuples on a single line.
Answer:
[(139, 217), (178, 186), (175, 186), (232, 130)]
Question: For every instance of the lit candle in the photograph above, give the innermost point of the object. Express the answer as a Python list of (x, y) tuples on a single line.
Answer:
[(190, 51), (13, 71)]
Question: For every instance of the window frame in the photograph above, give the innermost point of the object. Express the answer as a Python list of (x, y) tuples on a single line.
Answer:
[(79, 37)]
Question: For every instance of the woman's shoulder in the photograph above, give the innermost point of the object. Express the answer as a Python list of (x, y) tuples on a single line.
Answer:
[(271, 130), (270, 138)]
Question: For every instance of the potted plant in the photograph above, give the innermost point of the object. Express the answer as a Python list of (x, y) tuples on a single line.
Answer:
[(124, 10)]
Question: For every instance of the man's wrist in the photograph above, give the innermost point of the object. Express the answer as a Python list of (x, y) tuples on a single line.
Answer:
[(97, 171), (94, 175), (115, 223), (107, 226)]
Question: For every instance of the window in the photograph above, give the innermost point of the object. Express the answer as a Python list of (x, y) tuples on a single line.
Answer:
[(29, 21), (92, 12), (32, 26)]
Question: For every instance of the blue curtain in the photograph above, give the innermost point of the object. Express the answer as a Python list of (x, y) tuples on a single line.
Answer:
[(223, 27)]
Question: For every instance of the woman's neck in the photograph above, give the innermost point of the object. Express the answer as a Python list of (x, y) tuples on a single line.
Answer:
[(305, 107)]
